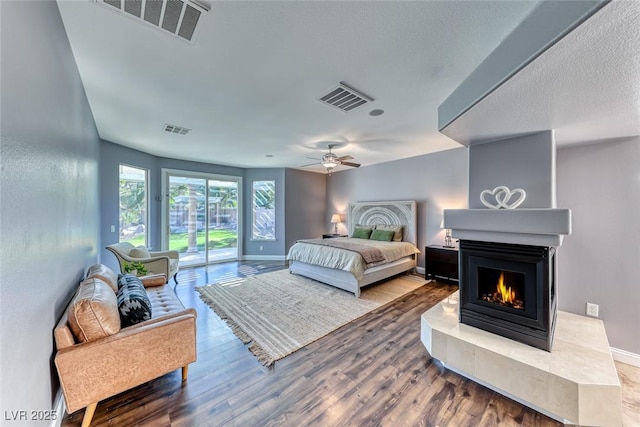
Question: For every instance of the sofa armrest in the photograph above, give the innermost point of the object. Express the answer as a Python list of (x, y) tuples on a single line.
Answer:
[(95, 370), (156, 264), (170, 254)]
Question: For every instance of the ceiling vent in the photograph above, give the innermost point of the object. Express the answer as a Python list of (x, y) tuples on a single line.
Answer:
[(176, 129), (345, 98), (180, 18)]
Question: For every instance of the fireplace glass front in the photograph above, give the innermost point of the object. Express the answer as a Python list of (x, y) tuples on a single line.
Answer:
[(509, 290), (505, 288)]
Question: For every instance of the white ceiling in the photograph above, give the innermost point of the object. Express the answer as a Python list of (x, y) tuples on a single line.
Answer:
[(586, 87), (247, 87)]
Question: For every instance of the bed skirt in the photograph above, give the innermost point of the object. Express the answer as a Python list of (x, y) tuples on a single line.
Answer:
[(346, 280)]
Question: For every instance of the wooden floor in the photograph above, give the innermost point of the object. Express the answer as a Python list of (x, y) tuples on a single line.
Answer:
[(372, 372)]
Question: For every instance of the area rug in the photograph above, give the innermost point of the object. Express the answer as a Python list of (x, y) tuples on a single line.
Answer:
[(279, 312)]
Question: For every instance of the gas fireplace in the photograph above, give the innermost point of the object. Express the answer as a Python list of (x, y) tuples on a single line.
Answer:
[(509, 290)]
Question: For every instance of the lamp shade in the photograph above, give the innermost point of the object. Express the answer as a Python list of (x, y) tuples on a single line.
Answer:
[(335, 218)]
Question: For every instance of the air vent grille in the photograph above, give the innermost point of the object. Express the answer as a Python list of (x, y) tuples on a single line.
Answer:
[(176, 129), (177, 17), (345, 98)]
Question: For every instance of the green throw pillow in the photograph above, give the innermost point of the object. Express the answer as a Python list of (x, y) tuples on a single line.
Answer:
[(382, 235), (361, 233)]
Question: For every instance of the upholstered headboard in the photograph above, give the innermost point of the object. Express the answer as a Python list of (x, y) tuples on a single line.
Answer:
[(391, 213)]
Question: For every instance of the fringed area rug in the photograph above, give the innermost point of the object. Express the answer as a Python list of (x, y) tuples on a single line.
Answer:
[(279, 313)]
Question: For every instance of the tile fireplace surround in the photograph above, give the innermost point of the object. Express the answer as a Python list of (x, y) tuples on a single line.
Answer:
[(575, 383)]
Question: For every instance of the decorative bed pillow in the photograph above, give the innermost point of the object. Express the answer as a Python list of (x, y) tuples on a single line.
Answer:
[(397, 231), (382, 235), (93, 313), (139, 252), (365, 226), (361, 233), (133, 302)]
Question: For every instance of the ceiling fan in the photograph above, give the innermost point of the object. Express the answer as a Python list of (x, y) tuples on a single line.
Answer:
[(330, 160)]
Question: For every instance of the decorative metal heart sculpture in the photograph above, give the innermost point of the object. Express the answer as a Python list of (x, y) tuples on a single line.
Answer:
[(502, 196)]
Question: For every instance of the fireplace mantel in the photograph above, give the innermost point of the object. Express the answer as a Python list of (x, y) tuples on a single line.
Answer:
[(536, 227)]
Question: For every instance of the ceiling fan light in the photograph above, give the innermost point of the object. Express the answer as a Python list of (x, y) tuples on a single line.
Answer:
[(330, 165), (330, 161)]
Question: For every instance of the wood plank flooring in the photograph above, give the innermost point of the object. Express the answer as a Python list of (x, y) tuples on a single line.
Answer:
[(372, 372)]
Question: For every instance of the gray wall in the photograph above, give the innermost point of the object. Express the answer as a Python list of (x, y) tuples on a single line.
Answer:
[(49, 211), (111, 155), (302, 217), (600, 261), (436, 181), (526, 162), (306, 197)]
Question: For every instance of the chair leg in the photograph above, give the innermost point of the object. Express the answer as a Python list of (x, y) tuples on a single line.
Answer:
[(88, 414), (185, 372)]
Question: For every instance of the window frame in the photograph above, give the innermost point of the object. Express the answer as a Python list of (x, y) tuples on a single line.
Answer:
[(146, 201), (254, 236)]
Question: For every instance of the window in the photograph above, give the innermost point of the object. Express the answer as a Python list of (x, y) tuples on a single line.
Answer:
[(133, 205), (264, 210)]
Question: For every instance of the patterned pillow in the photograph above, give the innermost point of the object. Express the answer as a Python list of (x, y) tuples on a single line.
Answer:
[(133, 302)]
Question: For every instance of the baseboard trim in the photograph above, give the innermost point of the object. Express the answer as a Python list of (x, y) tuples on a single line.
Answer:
[(420, 270), (264, 257), (627, 357), (59, 407)]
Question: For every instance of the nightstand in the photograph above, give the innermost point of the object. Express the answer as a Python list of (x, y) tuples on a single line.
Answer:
[(331, 236), (441, 264)]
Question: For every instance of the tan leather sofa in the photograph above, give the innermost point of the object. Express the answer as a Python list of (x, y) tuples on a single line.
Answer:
[(165, 262), (97, 359)]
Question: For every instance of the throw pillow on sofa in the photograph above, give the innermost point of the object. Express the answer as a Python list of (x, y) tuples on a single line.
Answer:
[(104, 273), (133, 302), (93, 313)]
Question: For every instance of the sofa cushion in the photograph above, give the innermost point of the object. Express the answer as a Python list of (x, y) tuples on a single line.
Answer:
[(93, 312), (104, 273), (139, 252), (133, 303)]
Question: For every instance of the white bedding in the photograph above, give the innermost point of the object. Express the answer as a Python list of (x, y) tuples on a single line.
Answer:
[(346, 260)]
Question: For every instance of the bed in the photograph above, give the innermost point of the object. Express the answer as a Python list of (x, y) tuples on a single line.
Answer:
[(329, 262)]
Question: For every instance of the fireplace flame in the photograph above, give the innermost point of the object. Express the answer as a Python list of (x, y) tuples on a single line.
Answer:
[(505, 294)]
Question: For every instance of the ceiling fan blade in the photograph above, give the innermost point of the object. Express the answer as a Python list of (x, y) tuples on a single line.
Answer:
[(310, 164), (347, 157), (353, 165), (312, 158)]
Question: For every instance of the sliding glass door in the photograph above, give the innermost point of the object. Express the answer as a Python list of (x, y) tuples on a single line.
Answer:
[(202, 217)]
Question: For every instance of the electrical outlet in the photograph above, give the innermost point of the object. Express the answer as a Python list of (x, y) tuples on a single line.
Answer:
[(113, 228), (592, 309), (261, 247)]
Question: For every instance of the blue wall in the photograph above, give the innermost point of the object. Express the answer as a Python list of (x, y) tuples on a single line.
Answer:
[(290, 185), (49, 204)]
